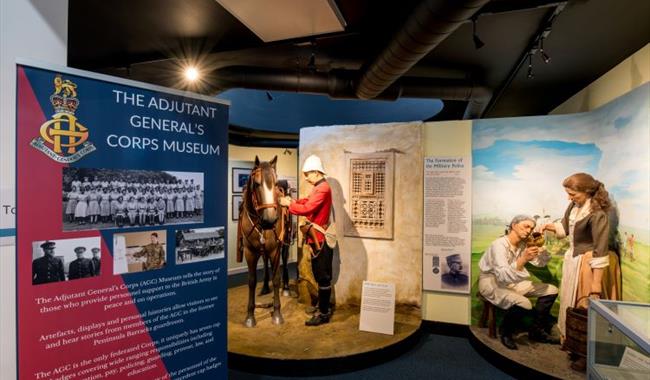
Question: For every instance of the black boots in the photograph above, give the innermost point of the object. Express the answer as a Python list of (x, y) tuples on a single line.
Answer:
[(324, 314), (539, 332), (509, 324), (318, 319)]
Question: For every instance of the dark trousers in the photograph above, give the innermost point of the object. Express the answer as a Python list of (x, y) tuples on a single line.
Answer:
[(321, 266)]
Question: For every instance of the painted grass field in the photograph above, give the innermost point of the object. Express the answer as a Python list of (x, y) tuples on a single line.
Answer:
[(636, 274)]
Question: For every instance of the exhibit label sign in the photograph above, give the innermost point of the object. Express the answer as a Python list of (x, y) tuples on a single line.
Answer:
[(377, 308), (120, 240), (447, 224)]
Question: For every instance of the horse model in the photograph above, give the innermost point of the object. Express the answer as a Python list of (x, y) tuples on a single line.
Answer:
[(261, 232)]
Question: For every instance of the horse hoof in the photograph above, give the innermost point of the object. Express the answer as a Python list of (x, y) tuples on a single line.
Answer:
[(277, 319), (286, 293), (264, 291), (250, 322)]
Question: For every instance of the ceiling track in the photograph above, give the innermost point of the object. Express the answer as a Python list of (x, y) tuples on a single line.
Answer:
[(542, 32)]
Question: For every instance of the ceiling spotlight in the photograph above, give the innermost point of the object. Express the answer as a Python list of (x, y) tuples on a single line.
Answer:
[(530, 74), (477, 41), (545, 57), (191, 73)]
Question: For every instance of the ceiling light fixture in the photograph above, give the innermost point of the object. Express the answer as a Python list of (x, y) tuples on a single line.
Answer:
[(545, 57), (530, 74), (477, 41), (191, 73)]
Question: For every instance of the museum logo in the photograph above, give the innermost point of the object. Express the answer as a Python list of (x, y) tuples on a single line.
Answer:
[(63, 138)]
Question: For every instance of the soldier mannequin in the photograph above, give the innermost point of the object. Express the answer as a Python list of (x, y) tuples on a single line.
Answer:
[(81, 267), (47, 268), (316, 207), (154, 252)]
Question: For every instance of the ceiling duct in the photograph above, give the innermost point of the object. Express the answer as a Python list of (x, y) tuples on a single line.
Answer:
[(424, 30), (383, 80), (341, 84)]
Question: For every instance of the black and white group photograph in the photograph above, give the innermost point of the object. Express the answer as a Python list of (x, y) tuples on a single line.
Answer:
[(97, 199), (200, 244), (65, 260)]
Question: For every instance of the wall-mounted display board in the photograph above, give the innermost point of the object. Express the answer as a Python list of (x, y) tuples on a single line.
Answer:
[(447, 224), (121, 192)]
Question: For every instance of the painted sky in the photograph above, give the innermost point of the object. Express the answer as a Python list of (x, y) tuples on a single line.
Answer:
[(519, 163)]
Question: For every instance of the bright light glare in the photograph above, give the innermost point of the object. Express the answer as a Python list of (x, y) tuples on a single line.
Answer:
[(191, 73)]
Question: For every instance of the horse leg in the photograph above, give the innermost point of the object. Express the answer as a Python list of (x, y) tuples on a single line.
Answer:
[(276, 316), (265, 283), (285, 271), (251, 261)]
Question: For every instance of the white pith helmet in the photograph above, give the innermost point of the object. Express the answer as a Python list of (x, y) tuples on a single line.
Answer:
[(313, 163)]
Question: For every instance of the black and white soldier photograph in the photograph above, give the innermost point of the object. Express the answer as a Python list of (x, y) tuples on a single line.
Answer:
[(200, 244), (454, 273), (98, 199), (65, 259)]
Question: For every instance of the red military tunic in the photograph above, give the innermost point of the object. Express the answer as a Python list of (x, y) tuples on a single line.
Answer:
[(316, 207)]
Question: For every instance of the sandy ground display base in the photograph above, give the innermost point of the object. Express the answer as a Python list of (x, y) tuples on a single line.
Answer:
[(295, 341), (545, 358)]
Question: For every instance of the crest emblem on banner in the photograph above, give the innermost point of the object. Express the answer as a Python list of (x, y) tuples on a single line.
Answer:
[(63, 138)]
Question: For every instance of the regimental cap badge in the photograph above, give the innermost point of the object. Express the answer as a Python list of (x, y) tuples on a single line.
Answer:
[(63, 138)]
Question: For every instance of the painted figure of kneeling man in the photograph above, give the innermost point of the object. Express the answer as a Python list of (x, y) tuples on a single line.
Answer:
[(505, 282)]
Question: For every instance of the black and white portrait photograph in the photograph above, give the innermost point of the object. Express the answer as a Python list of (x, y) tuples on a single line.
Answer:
[(97, 199), (239, 179), (139, 251), (200, 244), (65, 259), (237, 200), (454, 273)]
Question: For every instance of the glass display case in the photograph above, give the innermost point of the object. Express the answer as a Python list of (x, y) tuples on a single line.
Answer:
[(618, 340)]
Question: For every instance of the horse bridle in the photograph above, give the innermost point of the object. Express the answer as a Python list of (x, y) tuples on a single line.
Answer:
[(257, 226), (256, 205)]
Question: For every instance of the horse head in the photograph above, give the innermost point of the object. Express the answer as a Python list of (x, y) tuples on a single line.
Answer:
[(263, 191)]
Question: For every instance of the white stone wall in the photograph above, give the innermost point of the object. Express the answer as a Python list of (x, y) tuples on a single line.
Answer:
[(399, 260)]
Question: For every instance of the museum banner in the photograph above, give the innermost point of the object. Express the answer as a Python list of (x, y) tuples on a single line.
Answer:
[(121, 193)]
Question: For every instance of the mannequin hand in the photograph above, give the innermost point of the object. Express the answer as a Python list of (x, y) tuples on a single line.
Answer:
[(531, 253), (285, 201)]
